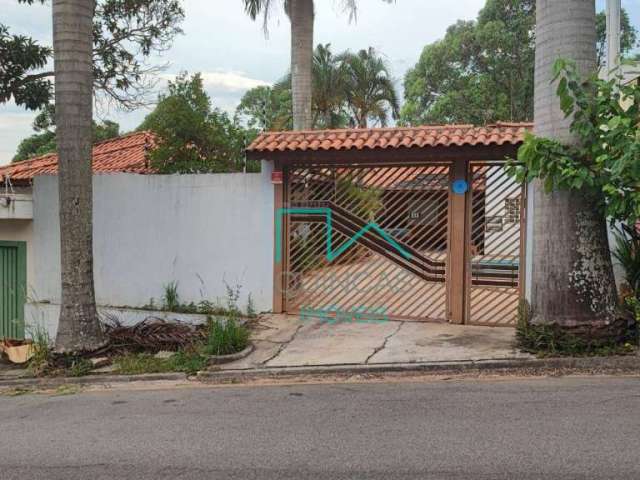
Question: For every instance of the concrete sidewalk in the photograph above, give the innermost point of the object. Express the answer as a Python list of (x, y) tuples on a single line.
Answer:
[(288, 341)]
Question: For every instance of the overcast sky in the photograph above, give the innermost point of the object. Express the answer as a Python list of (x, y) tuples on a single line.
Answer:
[(233, 54)]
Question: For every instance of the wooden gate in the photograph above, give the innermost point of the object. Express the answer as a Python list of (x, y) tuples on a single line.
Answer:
[(380, 240), (13, 284), (496, 220), (368, 241)]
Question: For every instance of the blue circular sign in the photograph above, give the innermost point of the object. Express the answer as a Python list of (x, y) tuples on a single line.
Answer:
[(460, 187)]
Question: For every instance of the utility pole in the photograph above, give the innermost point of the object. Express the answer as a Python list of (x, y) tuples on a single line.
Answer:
[(614, 8)]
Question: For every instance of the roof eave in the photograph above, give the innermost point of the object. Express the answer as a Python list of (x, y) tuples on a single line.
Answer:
[(445, 153)]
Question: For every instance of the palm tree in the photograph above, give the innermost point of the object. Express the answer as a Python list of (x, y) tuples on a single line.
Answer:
[(301, 14), (79, 327), (369, 89), (328, 89), (572, 282)]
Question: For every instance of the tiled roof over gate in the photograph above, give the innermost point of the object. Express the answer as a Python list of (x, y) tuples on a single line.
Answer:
[(390, 138), (122, 154)]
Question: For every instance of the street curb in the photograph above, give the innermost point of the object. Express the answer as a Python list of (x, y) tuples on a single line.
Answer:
[(589, 365), (90, 380), (598, 365)]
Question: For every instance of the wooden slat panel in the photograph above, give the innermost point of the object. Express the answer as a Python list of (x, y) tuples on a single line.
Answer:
[(495, 248), (371, 273)]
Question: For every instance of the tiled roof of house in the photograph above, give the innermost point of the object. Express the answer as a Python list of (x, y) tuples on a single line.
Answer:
[(388, 138), (122, 154)]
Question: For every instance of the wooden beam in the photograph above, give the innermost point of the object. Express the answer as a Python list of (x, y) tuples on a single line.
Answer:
[(278, 267), (457, 246)]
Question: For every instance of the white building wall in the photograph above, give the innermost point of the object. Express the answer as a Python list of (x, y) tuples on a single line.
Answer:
[(198, 230)]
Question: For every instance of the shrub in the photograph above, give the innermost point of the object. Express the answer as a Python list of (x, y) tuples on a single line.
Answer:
[(170, 299), (42, 357), (225, 338)]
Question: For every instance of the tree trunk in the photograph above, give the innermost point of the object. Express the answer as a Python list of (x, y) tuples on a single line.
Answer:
[(572, 279), (79, 328), (301, 15)]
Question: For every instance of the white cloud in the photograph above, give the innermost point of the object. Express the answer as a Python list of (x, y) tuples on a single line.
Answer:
[(230, 82), (13, 127)]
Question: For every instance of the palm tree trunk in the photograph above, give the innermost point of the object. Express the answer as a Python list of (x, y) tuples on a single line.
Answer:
[(301, 14), (79, 328), (572, 278)]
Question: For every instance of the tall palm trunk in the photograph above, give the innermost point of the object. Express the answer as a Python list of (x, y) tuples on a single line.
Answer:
[(572, 278), (79, 328), (301, 14)]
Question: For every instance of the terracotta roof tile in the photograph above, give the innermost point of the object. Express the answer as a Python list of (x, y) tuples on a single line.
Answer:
[(122, 154), (383, 138)]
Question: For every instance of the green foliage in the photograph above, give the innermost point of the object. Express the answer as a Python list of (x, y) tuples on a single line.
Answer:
[(126, 34), (348, 89), (553, 340), (482, 71), (329, 89), (141, 363), (225, 338), (171, 303), (170, 298), (605, 163), (627, 252), (80, 367), (36, 145), (266, 108), (41, 361), (188, 361), (368, 87), (251, 308), (366, 201), (628, 37), (19, 56), (44, 140), (193, 136)]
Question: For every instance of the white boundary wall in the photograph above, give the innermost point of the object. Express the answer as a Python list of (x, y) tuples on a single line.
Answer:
[(198, 230)]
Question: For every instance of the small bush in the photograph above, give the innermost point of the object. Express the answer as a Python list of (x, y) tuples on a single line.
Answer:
[(41, 361), (226, 338), (170, 298)]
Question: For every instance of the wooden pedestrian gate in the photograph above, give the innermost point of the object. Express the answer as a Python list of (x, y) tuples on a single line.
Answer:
[(13, 285), (378, 241)]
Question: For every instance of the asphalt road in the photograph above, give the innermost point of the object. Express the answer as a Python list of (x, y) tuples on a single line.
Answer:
[(568, 428)]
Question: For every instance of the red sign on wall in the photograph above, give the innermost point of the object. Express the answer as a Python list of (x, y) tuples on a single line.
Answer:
[(276, 178)]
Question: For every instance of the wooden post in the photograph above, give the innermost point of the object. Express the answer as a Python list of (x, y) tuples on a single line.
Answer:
[(278, 267), (457, 245)]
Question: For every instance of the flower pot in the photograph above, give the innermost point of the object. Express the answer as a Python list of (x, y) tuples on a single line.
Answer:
[(17, 351)]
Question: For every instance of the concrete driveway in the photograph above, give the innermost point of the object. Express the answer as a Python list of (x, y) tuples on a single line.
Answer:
[(289, 341)]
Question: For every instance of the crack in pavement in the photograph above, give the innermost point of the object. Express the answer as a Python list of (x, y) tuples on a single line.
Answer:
[(384, 344), (283, 345)]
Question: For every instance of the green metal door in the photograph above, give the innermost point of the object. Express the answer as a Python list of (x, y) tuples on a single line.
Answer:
[(13, 286)]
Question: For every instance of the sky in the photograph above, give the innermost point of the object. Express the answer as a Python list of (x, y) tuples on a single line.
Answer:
[(234, 55)]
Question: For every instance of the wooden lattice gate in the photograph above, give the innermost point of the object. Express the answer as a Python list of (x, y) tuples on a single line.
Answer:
[(377, 241), (496, 226)]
